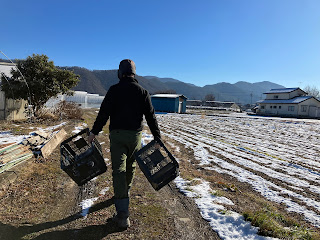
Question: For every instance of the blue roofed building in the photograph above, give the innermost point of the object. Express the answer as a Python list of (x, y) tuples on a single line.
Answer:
[(289, 102), (174, 103)]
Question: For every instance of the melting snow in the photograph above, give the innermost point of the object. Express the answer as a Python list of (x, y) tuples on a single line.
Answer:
[(79, 128), (7, 137), (258, 151), (86, 204), (228, 224), (262, 152), (146, 138)]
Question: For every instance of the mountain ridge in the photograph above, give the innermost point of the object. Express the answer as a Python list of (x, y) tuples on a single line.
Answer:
[(99, 81)]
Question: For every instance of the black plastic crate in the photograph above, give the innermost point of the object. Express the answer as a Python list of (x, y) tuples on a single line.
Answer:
[(157, 164), (81, 160)]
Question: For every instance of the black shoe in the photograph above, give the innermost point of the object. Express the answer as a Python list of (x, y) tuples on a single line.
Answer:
[(122, 220)]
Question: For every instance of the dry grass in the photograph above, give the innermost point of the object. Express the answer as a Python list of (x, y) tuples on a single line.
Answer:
[(45, 114), (273, 223), (68, 110)]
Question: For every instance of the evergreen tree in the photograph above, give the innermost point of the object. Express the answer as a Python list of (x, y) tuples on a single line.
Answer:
[(36, 79)]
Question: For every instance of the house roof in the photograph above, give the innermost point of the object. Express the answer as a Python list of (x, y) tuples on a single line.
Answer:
[(282, 90), (295, 100), (168, 96)]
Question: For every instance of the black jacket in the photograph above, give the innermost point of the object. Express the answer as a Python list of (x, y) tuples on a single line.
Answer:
[(125, 103)]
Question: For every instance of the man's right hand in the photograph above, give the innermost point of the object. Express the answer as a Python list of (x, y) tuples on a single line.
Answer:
[(91, 137), (157, 139)]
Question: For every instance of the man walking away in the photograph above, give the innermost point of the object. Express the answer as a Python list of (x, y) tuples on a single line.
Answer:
[(125, 104)]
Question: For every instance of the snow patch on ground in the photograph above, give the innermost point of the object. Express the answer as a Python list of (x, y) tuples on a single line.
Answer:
[(229, 225), (7, 137), (103, 191), (146, 138), (80, 128), (87, 203), (262, 152)]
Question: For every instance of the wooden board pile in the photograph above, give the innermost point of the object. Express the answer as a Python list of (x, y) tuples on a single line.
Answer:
[(40, 143), (13, 155)]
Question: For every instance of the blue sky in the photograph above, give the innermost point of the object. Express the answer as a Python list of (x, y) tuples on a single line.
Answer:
[(200, 42)]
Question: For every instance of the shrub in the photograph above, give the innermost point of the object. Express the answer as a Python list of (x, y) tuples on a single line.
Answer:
[(68, 110)]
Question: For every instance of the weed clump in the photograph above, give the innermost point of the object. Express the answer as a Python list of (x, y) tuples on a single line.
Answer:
[(272, 223), (68, 110)]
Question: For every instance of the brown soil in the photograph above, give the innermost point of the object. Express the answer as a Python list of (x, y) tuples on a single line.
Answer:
[(39, 201)]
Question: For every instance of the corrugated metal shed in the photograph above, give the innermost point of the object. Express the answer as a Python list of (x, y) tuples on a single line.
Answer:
[(10, 109), (169, 103)]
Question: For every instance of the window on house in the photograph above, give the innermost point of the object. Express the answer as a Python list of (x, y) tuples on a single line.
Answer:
[(274, 106), (270, 106), (276, 96), (262, 107), (290, 108), (304, 108), (279, 107)]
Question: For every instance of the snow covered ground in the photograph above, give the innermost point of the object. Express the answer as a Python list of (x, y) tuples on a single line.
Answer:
[(279, 158), (6, 137)]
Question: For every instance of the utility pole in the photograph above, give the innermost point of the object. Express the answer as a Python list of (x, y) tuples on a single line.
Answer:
[(251, 97)]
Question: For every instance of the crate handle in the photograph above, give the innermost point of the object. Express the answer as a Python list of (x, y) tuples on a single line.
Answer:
[(168, 152), (76, 135)]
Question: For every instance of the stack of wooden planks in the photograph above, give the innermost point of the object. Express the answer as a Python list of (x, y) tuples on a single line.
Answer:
[(40, 143), (12, 155)]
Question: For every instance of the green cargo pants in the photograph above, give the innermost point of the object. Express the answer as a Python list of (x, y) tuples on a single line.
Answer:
[(123, 144)]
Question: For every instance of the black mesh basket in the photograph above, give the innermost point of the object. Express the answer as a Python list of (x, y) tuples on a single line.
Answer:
[(157, 164), (81, 160)]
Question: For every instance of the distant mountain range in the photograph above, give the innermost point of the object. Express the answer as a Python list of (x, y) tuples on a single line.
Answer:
[(99, 81)]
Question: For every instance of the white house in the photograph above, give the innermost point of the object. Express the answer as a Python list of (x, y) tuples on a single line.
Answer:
[(10, 109), (289, 102)]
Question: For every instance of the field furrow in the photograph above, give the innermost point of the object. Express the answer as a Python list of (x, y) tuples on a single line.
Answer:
[(279, 159)]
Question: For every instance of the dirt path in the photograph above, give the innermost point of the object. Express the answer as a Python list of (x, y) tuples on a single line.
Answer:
[(178, 218), (39, 201), (187, 219)]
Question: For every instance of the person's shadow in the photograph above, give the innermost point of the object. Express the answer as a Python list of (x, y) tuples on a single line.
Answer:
[(94, 232)]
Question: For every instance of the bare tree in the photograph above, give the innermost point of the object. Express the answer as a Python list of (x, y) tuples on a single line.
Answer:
[(209, 97), (312, 91)]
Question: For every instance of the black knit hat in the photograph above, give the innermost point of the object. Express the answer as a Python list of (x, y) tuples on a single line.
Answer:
[(127, 67)]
